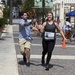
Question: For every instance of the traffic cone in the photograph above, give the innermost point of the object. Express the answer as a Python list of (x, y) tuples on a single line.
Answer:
[(64, 44)]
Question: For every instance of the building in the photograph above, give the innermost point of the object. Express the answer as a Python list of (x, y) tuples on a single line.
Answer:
[(1, 9), (61, 7)]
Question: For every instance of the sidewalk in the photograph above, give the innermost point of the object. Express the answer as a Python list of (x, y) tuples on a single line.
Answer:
[(8, 60)]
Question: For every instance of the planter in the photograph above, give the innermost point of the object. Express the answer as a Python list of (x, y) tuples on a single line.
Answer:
[(3, 22), (1, 29)]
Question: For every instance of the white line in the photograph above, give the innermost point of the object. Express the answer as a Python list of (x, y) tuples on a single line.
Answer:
[(68, 57), (35, 37), (55, 45), (32, 37)]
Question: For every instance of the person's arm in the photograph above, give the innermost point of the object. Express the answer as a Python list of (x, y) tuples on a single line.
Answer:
[(22, 24), (42, 27), (27, 24), (34, 28), (37, 26), (61, 32), (70, 26)]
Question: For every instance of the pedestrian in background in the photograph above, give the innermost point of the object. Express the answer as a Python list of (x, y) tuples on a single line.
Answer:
[(49, 38), (25, 37), (58, 20), (37, 26), (68, 28)]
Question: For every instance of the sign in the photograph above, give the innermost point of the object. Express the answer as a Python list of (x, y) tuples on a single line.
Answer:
[(48, 3), (38, 3)]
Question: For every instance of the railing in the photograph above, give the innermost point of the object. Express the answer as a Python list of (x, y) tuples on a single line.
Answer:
[(65, 1)]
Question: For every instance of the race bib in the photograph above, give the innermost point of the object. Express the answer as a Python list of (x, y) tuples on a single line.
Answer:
[(49, 35)]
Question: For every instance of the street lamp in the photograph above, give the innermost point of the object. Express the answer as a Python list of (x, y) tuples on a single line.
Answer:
[(43, 6)]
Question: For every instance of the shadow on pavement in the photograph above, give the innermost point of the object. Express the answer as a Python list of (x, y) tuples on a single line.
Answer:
[(31, 63), (2, 39), (21, 63), (58, 65)]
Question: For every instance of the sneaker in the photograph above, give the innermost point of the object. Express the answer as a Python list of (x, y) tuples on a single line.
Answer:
[(24, 58), (47, 67), (28, 64), (43, 61)]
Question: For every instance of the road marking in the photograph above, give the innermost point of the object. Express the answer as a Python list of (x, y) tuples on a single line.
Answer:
[(32, 37), (35, 37), (72, 46), (68, 57)]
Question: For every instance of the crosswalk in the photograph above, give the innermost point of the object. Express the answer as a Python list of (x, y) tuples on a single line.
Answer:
[(62, 57), (55, 56), (40, 45)]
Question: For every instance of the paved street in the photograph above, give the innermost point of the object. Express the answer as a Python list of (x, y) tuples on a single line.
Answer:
[(63, 60)]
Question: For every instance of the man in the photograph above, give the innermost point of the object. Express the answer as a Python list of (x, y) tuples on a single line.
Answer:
[(25, 38)]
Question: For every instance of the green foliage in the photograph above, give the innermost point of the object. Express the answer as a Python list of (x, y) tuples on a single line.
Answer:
[(6, 12), (19, 2), (28, 4), (3, 21)]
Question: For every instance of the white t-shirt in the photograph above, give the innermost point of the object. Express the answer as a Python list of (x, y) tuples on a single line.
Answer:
[(62, 27), (68, 24)]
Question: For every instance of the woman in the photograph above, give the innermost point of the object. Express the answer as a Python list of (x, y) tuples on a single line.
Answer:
[(68, 29), (37, 26), (49, 38)]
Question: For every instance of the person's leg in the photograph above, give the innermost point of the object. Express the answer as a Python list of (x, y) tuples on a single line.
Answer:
[(21, 44), (50, 49), (27, 51), (45, 48), (70, 37), (51, 45)]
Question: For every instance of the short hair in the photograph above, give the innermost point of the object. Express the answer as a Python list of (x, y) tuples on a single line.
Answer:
[(22, 13), (68, 19)]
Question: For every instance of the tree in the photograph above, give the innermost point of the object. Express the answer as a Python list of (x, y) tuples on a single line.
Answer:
[(19, 2), (27, 7), (14, 2), (6, 12), (28, 4)]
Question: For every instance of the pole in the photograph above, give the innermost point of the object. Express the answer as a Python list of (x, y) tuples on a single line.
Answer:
[(62, 11), (43, 6), (10, 7)]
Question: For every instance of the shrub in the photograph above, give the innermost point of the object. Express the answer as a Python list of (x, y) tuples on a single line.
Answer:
[(3, 22), (6, 12)]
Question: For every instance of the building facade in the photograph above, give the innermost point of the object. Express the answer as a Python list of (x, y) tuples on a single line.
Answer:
[(61, 7), (1, 9)]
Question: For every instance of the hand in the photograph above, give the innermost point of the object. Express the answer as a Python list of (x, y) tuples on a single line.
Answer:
[(34, 28), (65, 39), (34, 20)]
